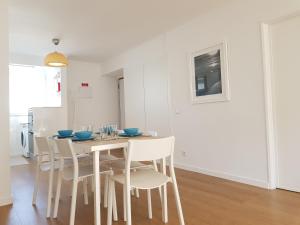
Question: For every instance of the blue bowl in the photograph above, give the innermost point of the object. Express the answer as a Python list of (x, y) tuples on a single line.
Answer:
[(65, 133), (131, 131), (83, 134)]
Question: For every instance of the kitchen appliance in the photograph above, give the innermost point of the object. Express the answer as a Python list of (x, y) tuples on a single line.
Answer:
[(30, 133), (24, 140)]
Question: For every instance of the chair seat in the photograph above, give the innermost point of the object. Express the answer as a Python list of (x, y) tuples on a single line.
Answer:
[(120, 165), (108, 157), (84, 171), (83, 159), (144, 179), (45, 166)]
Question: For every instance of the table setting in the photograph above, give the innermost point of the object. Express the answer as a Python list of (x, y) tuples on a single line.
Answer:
[(105, 132)]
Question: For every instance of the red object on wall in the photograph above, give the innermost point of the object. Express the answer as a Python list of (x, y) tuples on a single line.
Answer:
[(84, 84), (58, 87)]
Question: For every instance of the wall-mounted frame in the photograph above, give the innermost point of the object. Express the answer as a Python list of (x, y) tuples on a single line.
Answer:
[(209, 74)]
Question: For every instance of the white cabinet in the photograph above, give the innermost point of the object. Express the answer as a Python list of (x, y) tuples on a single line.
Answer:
[(156, 96), (146, 96), (134, 97)]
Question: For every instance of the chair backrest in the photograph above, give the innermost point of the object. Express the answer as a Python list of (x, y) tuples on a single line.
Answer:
[(42, 145), (150, 149), (45, 152), (64, 147)]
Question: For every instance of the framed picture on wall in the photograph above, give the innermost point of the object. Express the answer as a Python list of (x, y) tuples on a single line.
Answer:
[(209, 75)]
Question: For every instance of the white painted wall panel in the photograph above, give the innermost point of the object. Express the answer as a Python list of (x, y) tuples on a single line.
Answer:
[(156, 96), (102, 105), (5, 190), (226, 139), (134, 97)]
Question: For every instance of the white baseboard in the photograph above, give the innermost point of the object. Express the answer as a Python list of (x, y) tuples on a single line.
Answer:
[(244, 180), (6, 201)]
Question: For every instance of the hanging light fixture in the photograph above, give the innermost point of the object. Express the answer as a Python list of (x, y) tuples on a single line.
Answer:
[(56, 59)]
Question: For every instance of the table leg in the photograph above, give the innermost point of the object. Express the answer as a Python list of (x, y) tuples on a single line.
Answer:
[(97, 189)]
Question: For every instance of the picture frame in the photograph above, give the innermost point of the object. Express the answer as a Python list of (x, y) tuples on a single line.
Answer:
[(209, 74)]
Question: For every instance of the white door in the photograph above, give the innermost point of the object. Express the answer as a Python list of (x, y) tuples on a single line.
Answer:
[(285, 38)]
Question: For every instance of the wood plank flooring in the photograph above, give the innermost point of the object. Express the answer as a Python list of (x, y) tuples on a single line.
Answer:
[(206, 201)]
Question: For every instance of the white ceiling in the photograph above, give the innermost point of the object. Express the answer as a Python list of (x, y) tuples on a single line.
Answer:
[(94, 30)]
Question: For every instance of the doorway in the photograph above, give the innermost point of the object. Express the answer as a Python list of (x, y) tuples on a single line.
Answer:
[(29, 86), (282, 78)]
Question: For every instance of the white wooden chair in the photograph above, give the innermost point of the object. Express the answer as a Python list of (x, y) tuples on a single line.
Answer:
[(45, 163), (48, 161), (147, 179), (76, 173), (120, 163)]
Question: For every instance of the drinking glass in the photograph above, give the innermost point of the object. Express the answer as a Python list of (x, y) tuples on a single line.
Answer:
[(90, 128), (114, 129)]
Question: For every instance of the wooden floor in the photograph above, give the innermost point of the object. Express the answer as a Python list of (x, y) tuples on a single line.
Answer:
[(206, 201)]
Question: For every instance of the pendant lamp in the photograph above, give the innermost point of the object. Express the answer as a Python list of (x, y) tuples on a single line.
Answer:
[(56, 59)]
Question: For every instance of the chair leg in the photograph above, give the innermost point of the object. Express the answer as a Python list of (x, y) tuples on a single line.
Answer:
[(85, 191), (128, 206), (100, 188), (105, 191), (165, 204), (50, 192), (149, 203), (115, 210), (156, 169), (73, 203), (110, 199), (92, 184), (124, 203), (36, 184), (137, 193), (178, 203), (57, 197)]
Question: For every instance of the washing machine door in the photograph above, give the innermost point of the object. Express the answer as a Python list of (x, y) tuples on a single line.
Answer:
[(24, 143), (23, 140)]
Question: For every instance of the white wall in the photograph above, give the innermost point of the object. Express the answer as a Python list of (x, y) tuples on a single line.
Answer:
[(102, 107), (145, 86), (226, 139), (5, 191), (21, 59)]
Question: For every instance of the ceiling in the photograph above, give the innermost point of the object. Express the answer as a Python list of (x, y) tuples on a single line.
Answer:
[(93, 30)]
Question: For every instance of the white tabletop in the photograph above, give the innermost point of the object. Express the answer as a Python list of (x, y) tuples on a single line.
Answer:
[(107, 144)]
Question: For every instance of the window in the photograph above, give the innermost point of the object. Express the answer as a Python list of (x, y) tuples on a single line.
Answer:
[(33, 86)]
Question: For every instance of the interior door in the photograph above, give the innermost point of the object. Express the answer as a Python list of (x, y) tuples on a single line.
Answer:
[(285, 38)]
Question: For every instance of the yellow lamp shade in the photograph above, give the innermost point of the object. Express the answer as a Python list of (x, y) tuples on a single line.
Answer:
[(56, 59)]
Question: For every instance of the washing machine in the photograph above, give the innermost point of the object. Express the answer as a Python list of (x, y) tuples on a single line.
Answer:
[(24, 140)]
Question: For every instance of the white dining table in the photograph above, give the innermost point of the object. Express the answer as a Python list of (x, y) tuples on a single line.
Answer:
[(95, 147)]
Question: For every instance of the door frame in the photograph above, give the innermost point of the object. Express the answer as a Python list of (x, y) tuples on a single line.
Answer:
[(271, 131), (120, 111)]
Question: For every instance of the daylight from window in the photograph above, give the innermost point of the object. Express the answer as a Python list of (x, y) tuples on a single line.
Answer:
[(33, 86)]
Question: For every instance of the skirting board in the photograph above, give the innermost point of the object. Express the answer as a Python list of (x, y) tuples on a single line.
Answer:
[(244, 180), (6, 201)]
